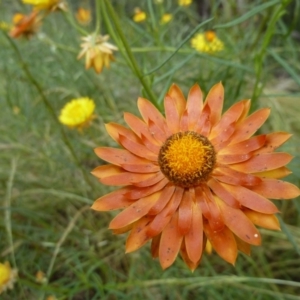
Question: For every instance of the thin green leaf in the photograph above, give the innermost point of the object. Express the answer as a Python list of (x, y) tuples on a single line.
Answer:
[(180, 45), (288, 234), (248, 15), (285, 65)]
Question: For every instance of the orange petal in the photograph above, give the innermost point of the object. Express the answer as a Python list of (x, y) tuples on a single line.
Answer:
[(170, 243), (222, 193), (127, 178), (264, 220), (176, 93), (276, 189), (157, 132), (230, 176), (251, 199), (194, 238), (134, 212), (118, 156), (163, 200), (246, 146), (115, 130), (137, 148), (141, 168), (185, 213), (150, 112), (223, 242), (243, 246), (245, 112), (223, 137), (138, 237), (138, 193), (263, 162), (203, 124), (183, 252), (172, 114), (139, 128), (273, 141), (228, 159), (194, 105), (239, 224), (158, 224), (210, 209), (250, 125), (155, 246), (106, 170), (163, 218), (123, 229), (229, 117), (276, 173), (214, 100), (152, 147), (184, 125), (151, 180), (111, 201)]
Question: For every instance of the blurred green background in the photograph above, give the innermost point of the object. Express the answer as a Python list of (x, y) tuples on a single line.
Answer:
[(46, 191)]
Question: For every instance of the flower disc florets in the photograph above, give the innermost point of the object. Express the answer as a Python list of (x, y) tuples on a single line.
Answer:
[(187, 158)]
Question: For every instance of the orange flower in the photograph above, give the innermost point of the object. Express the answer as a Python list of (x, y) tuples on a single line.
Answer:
[(25, 25), (194, 176)]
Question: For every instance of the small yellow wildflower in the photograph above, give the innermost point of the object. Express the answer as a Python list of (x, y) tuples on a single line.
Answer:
[(207, 42), (139, 15), (98, 52), (77, 113), (7, 277), (166, 18), (184, 2), (50, 5), (83, 16)]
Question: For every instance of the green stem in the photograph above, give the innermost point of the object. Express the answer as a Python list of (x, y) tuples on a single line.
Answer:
[(70, 19), (260, 57), (98, 17), (49, 107), (130, 55)]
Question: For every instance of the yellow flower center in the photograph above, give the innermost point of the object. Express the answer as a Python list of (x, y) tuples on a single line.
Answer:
[(210, 35), (187, 158)]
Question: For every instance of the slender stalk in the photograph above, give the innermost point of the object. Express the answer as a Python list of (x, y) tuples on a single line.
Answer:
[(98, 17), (260, 57), (35, 83), (129, 53), (70, 20), (7, 205)]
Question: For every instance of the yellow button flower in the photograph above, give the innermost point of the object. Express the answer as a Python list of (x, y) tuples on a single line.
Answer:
[(46, 4), (207, 42), (139, 15), (7, 277), (166, 18), (77, 113), (184, 2)]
